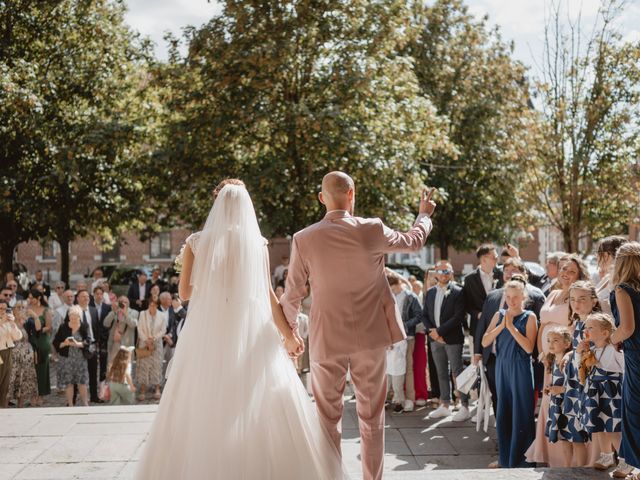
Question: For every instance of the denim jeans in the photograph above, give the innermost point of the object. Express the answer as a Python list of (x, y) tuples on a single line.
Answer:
[(447, 358)]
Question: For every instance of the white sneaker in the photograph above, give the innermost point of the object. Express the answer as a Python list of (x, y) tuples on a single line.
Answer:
[(440, 412), (605, 461), (408, 406), (462, 415), (421, 402), (474, 419), (622, 470)]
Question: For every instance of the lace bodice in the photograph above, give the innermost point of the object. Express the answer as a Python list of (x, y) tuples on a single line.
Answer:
[(192, 241)]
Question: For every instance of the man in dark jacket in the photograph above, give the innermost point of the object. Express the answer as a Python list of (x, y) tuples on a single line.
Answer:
[(443, 318)]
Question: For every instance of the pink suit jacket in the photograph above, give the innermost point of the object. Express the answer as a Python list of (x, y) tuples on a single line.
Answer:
[(343, 258)]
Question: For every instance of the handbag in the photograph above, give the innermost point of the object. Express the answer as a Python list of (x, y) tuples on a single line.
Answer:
[(467, 379), (89, 352), (104, 393), (143, 352)]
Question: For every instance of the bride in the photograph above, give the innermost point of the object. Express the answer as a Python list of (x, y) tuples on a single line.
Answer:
[(233, 406)]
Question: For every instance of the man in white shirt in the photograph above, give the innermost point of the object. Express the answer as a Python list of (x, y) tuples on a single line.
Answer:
[(67, 298), (139, 292)]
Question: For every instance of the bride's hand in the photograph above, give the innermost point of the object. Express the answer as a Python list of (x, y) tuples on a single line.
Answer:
[(294, 345)]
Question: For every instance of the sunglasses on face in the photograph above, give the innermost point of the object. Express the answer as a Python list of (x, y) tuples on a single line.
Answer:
[(443, 272)]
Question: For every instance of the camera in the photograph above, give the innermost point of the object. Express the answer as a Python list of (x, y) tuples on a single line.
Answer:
[(121, 305)]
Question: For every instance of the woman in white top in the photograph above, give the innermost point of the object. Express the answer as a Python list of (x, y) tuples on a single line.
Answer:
[(152, 326), (9, 333), (606, 255)]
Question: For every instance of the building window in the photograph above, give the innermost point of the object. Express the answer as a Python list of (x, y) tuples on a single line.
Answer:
[(49, 250), (111, 254), (160, 246)]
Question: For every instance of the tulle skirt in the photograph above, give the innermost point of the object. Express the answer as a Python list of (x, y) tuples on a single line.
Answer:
[(234, 408)]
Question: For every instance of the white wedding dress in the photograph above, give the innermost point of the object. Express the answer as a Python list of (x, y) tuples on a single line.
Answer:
[(233, 406)]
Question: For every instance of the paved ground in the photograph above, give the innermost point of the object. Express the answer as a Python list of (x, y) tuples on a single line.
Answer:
[(105, 442)]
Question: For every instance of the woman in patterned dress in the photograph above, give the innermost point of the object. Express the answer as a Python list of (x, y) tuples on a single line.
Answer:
[(556, 428), (151, 328), (71, 340), (24, 383)]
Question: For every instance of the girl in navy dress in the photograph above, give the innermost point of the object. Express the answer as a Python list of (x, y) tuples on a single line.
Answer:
[(625, 305), (603, 367), (583, 301), (514, 331), (559, 339)]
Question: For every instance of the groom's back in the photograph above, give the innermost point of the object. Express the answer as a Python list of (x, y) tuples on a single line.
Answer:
[(353, 308)]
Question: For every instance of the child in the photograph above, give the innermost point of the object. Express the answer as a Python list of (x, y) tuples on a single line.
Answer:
[(583, 301), (119, 377), (602, 403), (514, 330), (559, 339)]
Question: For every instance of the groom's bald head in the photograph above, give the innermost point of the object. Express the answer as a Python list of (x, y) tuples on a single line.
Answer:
[(338, 191)]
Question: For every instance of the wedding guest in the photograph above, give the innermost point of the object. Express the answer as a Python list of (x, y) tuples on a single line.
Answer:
[(68, 299), (557, 429), (139, 292), (24, 383), (602, 405), (554, 313), (433, 389), (278, 272), (102, 309), (625, 305), (15, 295), (109, 296), (10, 333), (98, 336), (279, 291), (607, 249), (122, 389), (55, 299), (73, 343), (534, 300), (121, 323), (156, 279), (514, 330), (442, 318), (80, 285), (552, 266), (40, 340), (6, 293), (151, 329), (39, 281), (97, 278), (173, 284), (176, 314), (411, 314), (583, 301), (479, 283)]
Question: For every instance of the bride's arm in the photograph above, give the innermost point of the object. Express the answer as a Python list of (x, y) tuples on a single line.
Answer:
[(292, 342), (184, 287)]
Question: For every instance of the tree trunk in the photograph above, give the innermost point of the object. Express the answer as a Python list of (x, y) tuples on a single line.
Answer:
[(64, 259), (444, 249), (7, 247)]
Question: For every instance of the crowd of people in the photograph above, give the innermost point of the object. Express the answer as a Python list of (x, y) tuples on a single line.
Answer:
[(561, 360), (81, 342)]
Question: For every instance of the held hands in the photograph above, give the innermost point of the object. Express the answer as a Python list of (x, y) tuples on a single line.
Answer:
[(427, 206), (294, 345)]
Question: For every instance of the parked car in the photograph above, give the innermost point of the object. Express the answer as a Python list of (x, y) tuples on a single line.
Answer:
[(407, 270), (121, 276)]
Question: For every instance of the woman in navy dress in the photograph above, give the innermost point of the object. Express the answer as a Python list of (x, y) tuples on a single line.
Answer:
[(514, 330), (625, 305)]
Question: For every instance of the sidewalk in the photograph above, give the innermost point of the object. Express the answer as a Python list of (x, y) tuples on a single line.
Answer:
[(105, 442)]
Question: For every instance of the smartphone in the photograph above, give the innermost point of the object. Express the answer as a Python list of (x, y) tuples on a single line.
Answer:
[(9, 310)]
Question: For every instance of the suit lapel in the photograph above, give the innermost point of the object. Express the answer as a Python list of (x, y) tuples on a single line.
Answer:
[(431, 303)]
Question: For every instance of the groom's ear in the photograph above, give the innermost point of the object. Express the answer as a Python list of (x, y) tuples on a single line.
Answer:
[(321, 198)]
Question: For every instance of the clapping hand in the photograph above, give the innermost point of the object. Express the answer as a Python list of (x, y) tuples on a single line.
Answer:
[(427, 206)]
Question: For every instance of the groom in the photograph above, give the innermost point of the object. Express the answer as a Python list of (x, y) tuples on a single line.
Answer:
[(354, 317)]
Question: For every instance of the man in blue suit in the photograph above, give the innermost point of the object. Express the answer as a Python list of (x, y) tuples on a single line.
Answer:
[(443, 316)]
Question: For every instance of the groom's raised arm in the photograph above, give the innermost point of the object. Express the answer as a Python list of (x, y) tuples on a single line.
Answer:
[(296, 287), (411, 241)]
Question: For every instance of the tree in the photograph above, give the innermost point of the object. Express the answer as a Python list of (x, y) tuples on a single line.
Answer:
[(279, 93), (470, 76), (585, 182), (78, 141)]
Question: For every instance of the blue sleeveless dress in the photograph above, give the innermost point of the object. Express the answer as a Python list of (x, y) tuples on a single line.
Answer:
[(630, 446), (514, 384)]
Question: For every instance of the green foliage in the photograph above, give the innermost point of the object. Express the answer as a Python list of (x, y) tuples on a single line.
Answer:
[(585, 180), (280, 93), (73, 131), (468, 73)]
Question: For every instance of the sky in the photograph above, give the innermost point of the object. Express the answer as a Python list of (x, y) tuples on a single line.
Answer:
[(519, 20)]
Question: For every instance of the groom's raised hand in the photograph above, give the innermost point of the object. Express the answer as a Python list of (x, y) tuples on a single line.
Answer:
[(427, 206)]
